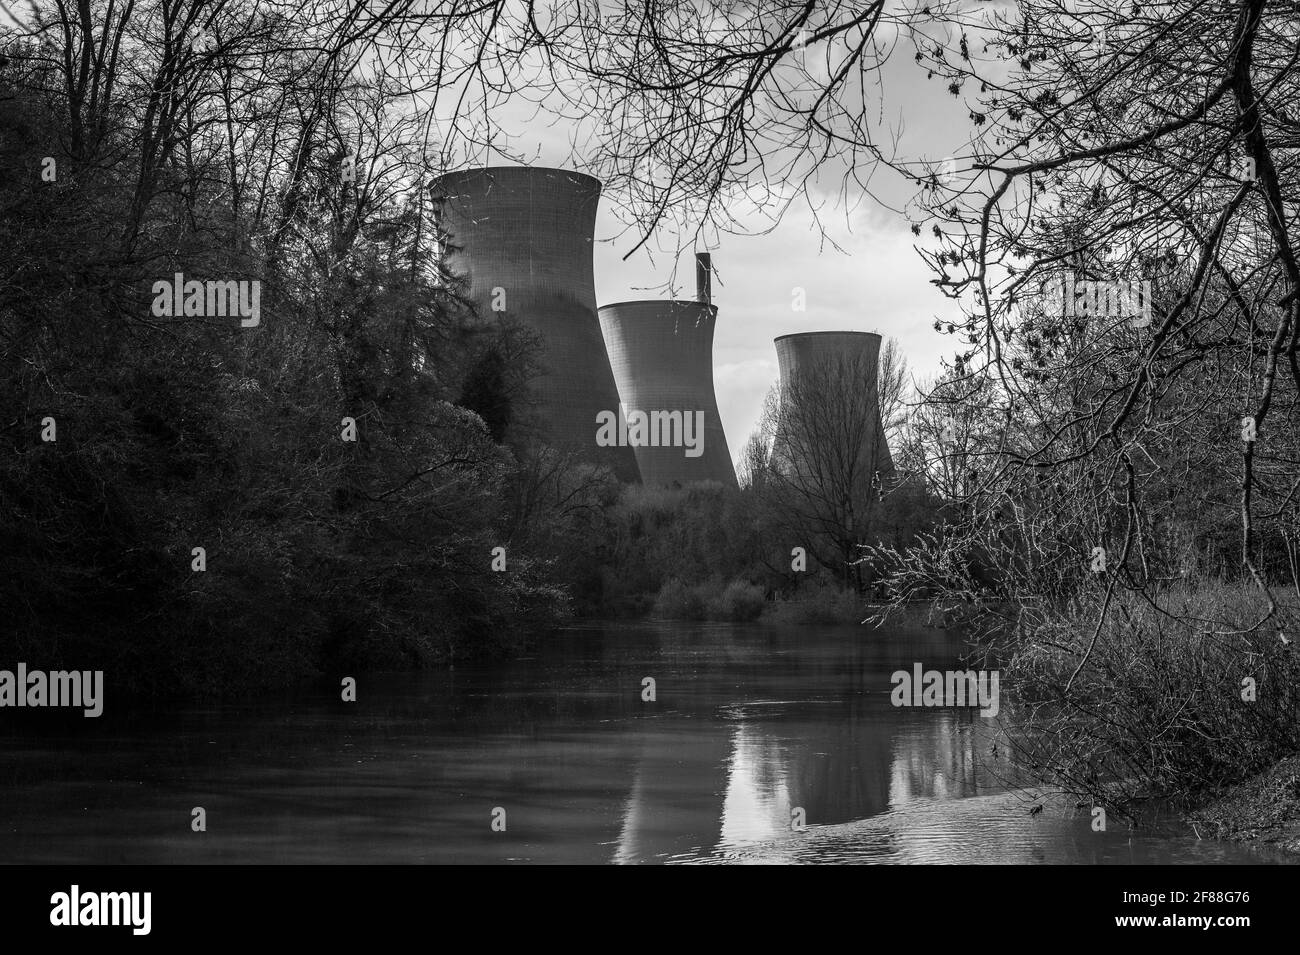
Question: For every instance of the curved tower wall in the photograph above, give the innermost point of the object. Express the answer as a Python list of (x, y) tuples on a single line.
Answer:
[(662, 356), (807, 350), (528, 232)]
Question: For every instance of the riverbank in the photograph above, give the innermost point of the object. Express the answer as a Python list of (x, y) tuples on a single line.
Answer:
[(1263, 811)]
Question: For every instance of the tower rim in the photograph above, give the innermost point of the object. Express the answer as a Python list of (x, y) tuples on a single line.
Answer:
[(472, 170), (828, 332), (689, 302)]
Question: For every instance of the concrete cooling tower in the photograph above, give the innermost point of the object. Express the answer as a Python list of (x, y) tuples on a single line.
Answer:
[(523, 237), (662, 356), (808, 354)]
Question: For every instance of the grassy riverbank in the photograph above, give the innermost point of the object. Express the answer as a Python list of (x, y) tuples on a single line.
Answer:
[(1263, 811)]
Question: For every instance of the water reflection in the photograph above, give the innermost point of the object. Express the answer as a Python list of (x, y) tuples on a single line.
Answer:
[(750, 724)]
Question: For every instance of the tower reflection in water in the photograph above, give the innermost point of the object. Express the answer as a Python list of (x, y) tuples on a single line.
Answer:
[(714, 787)]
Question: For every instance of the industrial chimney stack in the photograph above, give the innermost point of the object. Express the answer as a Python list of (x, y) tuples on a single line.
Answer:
[(704, 278)]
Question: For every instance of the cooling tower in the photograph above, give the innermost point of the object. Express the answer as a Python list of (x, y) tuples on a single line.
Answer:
[(523, 237), (808, 354), (662, 355)]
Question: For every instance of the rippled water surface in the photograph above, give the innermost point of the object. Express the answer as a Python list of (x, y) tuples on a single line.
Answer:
[(750, 724)]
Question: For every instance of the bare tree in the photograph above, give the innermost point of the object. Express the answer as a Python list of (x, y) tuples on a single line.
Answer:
[(1121, 235), (716, 114)]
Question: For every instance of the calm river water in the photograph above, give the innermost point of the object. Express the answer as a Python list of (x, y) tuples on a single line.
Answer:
[(749, 724)]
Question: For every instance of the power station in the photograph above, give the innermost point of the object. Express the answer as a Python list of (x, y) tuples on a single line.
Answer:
[(629, 385), (662, 356), (804, 357), (523, 238)]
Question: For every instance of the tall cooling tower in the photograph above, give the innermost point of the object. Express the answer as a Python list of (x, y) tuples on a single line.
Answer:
[(523, 236), (662, 355), (805, 353)]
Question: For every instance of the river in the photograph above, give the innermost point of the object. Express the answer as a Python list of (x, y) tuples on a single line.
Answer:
[(751, 727)]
